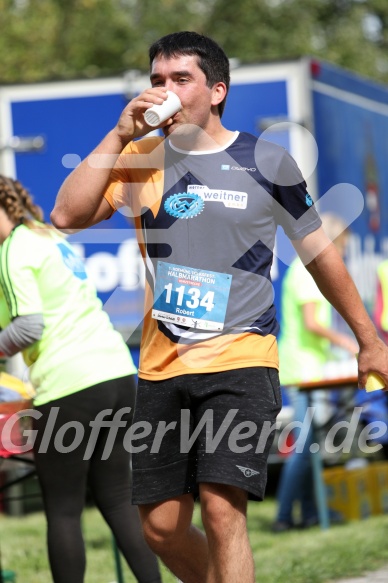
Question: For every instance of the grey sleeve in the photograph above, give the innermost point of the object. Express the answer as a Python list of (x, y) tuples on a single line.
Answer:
[(21, 333)]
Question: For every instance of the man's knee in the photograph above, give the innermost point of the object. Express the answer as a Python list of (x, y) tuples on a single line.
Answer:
[(222, 507), (166, 522)]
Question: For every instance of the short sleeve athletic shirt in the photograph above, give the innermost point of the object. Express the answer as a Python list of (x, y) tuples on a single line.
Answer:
[(206, 224), (41, 274)]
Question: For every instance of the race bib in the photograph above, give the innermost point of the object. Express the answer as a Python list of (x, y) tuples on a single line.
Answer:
[(191, 297)]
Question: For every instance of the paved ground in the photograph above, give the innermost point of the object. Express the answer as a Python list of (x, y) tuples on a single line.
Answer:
[(380, 576)]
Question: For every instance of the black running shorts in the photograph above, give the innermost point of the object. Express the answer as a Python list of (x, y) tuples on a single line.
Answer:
[(193, 429)]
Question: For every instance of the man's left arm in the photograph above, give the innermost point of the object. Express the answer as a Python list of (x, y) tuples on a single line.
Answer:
[(325, 264)]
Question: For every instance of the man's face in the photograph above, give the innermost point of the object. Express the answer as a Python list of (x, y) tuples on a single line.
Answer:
[(183, 76)]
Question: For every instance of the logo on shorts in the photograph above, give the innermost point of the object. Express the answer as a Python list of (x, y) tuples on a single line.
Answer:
[(248, 473)]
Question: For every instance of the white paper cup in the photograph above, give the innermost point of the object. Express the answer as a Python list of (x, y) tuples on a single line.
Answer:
[(157, 114)]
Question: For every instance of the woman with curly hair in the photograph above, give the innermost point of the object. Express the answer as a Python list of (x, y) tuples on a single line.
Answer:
[(84, 379)]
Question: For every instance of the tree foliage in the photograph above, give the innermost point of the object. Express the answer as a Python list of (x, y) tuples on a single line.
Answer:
[(350, 33), (62, 39)]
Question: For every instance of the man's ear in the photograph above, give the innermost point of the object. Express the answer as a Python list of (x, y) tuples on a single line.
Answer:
[(219, 92)]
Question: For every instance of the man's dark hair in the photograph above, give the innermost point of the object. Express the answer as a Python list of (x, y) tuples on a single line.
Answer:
[(211, 58)]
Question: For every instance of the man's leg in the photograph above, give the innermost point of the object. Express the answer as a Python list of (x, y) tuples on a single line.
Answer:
[(224, 518), (170, 534)]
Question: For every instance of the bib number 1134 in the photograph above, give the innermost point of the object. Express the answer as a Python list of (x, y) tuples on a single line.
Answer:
[(195, 300), (190, 297)]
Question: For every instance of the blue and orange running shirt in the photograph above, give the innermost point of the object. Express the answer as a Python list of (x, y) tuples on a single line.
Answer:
[(206, 225)]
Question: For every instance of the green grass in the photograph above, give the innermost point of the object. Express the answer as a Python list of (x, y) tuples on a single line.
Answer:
[(311, 556)]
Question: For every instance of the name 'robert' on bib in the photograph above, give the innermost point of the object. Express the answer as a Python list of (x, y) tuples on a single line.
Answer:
[(191, 297)]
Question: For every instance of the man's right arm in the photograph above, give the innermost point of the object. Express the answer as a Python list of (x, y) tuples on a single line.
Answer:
[(80, 201)]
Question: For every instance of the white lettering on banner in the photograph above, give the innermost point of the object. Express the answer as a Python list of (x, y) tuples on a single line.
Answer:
[(109, 270), (362, 260)]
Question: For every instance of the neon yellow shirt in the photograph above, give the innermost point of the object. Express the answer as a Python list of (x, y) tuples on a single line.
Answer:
[(302, 354), (382, 272), (41, 274)]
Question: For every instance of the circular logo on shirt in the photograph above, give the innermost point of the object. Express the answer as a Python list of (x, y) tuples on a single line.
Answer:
[(184, 205)]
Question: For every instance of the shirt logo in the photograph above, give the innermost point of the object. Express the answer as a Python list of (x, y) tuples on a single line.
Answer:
[(72, 261), (184, 205), (309, 200), (229, 198), (241, 168)]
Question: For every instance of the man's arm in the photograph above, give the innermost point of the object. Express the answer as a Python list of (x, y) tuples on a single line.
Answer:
[(324, 263), (80, 201)]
